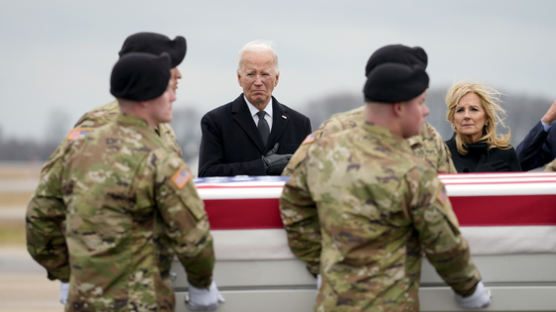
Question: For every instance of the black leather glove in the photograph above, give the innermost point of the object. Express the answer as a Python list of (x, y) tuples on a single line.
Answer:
[(275, 163)]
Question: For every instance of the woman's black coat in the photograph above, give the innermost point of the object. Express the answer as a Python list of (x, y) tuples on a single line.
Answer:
[(481, 159)]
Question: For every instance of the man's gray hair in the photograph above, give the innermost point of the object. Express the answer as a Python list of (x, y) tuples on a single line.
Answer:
[(258, 46)]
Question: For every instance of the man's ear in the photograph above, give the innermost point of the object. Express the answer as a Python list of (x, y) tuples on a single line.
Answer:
[(397, 108), (143, 104), (277, 78)]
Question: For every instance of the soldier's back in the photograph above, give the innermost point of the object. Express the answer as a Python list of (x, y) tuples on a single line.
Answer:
[(363, 181), (111, 221)]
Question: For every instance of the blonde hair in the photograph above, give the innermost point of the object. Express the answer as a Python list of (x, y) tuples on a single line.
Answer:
[(493, 113)]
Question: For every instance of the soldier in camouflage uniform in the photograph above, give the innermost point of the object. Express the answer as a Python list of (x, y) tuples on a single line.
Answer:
[(48, 196), (361, 208), (127, 198), (427, 145)]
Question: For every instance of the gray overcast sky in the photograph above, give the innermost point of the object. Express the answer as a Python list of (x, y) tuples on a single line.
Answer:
[(56, 55)]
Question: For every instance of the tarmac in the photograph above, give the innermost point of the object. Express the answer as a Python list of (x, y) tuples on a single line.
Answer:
[(23, 283), (12, 214), (24, 286)]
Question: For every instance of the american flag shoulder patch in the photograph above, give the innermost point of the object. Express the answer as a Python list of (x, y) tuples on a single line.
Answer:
[(310, 138), (77, 133), (442, 196), (181, 177)]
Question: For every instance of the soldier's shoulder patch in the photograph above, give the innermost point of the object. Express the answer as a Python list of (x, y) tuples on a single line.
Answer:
[(310, 138), (78, 133), (181, 177), (442, 196)]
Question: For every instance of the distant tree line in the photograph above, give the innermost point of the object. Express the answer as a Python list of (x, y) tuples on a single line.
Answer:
[(25, 150), (522, 113)]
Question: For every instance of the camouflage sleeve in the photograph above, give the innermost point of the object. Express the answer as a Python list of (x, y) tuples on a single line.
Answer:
[(185, 220), (430, 146), (445, 163), (445, 247), (551, 166), (45, 220), (300, 218)]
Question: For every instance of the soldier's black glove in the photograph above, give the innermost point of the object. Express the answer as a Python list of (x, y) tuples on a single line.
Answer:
[(274, 163)]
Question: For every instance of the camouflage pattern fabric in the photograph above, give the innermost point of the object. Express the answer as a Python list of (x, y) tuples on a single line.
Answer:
[(427, 145), (361, 210), (102, 115), (45, 220), (551, 166), (45, 240), (126, 199)]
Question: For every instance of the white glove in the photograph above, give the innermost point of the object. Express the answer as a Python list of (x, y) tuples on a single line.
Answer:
[(479, 299), (64, 290), (319, 281), (204, 299)]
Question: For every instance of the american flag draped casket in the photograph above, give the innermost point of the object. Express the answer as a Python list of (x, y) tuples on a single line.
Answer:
[(509, 220)]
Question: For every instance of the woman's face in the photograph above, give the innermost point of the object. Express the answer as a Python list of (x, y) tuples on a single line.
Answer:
[(469, 118)]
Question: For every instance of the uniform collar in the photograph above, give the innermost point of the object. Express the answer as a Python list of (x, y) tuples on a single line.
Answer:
[(132, 120), (386, 136), (417, 140)]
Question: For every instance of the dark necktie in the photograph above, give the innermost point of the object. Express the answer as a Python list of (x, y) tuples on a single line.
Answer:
[(264, 130)]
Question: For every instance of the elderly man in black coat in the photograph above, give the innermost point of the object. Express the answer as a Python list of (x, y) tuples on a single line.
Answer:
[(254, 134)]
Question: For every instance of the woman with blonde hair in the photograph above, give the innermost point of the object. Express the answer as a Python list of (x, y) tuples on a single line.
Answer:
[(474, 114)]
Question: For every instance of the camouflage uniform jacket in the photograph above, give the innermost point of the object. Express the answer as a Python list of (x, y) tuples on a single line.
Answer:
[(378, 209), (105, 114), (127, 196), (47, 201), (427, 145), (551, 166)]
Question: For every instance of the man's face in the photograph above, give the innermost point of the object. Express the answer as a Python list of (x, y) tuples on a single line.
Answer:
[(161, 107), (257, 76), (413, 118), (175, 75)]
